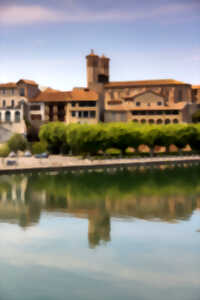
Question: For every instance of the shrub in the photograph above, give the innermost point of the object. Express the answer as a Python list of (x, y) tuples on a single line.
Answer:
[(4, 150), (17, 143), (54, 134), (196, 117), (39, 147)]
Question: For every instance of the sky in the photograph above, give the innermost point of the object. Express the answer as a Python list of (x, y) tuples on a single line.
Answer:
[(47, 40)]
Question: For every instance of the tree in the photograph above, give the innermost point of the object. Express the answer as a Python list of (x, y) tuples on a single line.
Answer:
[(196, 117), (17, 143)]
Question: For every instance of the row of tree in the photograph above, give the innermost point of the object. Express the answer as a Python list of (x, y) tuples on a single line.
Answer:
[(93, 139)]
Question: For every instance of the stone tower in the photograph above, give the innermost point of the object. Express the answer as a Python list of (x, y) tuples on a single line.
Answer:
[(97, 71)]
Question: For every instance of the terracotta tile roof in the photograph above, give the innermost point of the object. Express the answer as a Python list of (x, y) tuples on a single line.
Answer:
[(196, 87), (84, 95), (8, 85), (177, 106), (50, 95), (29, 82), (155, 82)]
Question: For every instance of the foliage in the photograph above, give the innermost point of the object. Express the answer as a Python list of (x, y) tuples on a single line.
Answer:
[(39, 147), (17, 143), (4, 150), (196, 117), (85, 139), (54, 134)]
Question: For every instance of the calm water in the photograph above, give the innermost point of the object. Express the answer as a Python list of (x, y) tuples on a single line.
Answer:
[(100, 236)]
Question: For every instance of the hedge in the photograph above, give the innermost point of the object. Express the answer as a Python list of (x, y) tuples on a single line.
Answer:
[(83, 139)]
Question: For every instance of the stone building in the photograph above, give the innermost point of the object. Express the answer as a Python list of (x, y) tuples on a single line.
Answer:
[(148, 101), (14, 99), (77, 106)]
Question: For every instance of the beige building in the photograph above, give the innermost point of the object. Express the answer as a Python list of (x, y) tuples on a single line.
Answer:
[(80, 105), (148, 101), (14, 104)]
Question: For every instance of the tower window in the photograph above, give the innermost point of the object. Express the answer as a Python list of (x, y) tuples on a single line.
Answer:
[(137, 103), (103, 78)]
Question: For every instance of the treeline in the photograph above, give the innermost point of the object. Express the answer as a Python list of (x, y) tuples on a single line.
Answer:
[(83, 139)]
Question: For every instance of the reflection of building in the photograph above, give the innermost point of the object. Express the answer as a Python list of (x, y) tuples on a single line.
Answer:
[(99, 228)]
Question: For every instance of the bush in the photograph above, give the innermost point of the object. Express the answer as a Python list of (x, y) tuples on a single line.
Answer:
[(17, 143), (39, 147), (84, 139), (4, 150), (196, 117), (54, 134)]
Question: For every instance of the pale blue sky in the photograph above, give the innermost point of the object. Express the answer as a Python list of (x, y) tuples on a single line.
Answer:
[(47, 40)]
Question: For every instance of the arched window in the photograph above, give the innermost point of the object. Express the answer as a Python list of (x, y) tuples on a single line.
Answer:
[(4, 103), (13, 103), (143, 121), (7, 116), (175, 121), (151, 121), (17, 116), (159, 121), (167, 121), (135, 120)]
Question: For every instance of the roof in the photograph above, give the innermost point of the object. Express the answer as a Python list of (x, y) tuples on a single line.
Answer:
[(154, 82), (177, 106), (8, 85), (196, 87), (84, 95), (29, 82), (50, 95)]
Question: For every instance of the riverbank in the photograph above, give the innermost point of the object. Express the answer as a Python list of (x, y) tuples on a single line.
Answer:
[(71, 163)]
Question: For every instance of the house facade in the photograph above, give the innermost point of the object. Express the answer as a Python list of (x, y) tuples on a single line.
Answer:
[(162, 101), (14, 107)]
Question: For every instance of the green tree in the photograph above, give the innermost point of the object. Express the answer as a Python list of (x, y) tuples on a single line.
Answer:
[(17, 143)]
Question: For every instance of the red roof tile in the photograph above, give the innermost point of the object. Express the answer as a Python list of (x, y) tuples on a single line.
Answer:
[(155, 82)]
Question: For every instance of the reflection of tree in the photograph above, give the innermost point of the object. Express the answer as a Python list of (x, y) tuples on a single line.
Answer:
[(99, 228), (168, 195)]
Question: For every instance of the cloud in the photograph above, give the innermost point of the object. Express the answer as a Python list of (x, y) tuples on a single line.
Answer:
[(31, 14)]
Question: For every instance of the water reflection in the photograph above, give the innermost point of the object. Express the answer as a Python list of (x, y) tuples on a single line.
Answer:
[(168, 196)]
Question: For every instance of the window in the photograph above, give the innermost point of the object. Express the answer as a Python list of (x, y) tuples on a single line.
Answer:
[(4, 91), (22, 92), (73, 114), (159, 103), (93, 114), (73, 104), (85, 114), (180, 95), (7, 116), (87, 103), (13, 103), (12, 91), (151, 121), (137, 103), (4, 103), (175, 121), (36, 117), (143, 121), (80, 114), (35, 107), (159, 121), (17, 116), (0, 116), (167, 121)]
